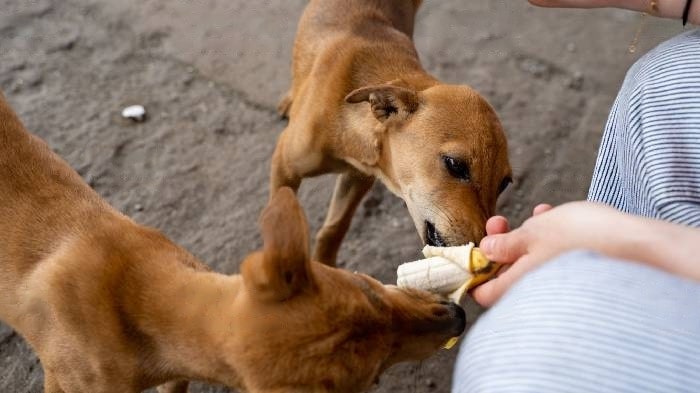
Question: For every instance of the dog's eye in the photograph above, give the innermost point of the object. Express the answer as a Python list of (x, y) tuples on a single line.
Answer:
[(504, 184), (457, 168)]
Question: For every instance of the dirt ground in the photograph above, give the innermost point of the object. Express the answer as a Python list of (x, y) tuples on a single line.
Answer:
[(209, 73)]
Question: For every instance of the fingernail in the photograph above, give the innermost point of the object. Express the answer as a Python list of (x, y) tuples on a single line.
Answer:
[(486, 245)]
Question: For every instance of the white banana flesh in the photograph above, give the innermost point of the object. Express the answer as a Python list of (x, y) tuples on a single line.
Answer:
[(444, 270), (449, 271)]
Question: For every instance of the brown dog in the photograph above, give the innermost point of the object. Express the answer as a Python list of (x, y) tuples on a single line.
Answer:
[(112, 306), (439, 147)]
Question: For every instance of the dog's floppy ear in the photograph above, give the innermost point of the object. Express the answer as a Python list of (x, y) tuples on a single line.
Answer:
[(284, 268), (386, 100)]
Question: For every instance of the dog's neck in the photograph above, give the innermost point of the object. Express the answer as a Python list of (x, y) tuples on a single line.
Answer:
[(190, 316)]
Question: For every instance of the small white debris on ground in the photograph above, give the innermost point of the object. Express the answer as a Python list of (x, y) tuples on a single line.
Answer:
[(136, 113)]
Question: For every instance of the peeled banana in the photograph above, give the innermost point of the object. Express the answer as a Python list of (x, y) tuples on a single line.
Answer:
[(449, 271)]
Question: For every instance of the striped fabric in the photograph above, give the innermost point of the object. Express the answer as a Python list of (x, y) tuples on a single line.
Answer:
[(587, 323), (649, 159)]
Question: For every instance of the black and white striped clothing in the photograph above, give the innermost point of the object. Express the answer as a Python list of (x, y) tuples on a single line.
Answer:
[(588, 323), (649, 159)]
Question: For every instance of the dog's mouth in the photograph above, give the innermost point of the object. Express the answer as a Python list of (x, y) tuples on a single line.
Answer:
[(432, 236)]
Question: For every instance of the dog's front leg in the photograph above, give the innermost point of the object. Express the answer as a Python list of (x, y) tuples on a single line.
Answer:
[(350, 187)]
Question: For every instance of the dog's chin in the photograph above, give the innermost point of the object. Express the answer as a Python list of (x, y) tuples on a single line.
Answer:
[(433, 236)]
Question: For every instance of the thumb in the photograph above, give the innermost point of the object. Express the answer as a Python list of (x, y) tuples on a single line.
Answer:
[(504, 248)]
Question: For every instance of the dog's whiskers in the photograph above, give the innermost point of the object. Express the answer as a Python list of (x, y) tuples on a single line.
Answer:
[(437, 211)]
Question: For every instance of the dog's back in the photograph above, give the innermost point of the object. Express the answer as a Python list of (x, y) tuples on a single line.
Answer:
[(44, 204), (360, 34), (326, 16), (39, 191), (36, 198), (65, 255)]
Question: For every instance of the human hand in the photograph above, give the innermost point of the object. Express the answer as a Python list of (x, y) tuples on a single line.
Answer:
[(550, 232), (666, 9)]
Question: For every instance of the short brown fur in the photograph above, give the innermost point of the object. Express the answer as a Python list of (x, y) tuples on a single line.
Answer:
[(361, 105), (112, 306)]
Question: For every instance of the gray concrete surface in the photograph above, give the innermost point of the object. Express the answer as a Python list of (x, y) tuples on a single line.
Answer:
[(210, 72)]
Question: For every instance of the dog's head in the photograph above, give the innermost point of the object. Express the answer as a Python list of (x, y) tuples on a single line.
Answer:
[(309, 327), (444, 152)]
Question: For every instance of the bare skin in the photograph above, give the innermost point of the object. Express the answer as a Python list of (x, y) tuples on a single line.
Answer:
[(585, 225), (671, 9)]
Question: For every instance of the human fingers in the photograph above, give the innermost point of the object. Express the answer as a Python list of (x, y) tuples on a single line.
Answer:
[(505, 247), (496, 225), (541, 208)]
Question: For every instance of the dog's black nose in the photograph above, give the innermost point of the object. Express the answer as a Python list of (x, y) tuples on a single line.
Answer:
[(460, 317), (432, 236)]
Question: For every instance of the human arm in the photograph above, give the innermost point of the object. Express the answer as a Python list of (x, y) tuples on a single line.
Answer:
[(665, 8), (586, 225)]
